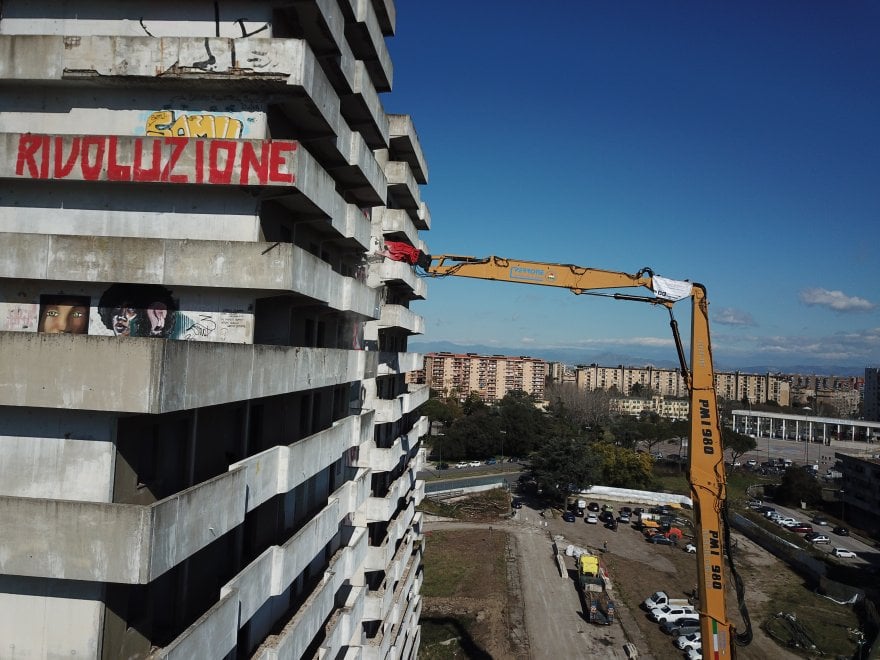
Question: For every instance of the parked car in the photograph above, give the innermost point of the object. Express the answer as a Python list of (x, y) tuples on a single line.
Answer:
[(681, 627), (568, 516), (593, 506), (475, 464), (691, 641), (751, 462), (491, 461), (606, 516), (461, 464), (516, 504), (623, 517), (841, 531), (817, 538), (691, 548), (592, 518), (843, 553), (800, 528), (672, 613), (694, 654), (659, 539)]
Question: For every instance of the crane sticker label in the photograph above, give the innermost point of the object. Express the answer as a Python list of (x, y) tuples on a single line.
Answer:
[(706, 423), (529, 274)]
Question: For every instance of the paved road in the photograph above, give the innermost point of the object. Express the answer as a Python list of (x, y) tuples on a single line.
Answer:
[(867, 554)]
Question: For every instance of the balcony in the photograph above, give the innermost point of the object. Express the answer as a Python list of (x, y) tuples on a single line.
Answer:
[(398, 316), (123, 543), (284, 66), (69, 371), (258, 267), (391, 410), (405, 146), (279, 470)]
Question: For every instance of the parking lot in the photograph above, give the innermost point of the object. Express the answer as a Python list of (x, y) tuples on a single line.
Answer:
[(637, 569)]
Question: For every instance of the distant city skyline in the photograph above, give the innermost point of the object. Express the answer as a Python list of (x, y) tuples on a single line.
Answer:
[(660, 359), (735, 145)]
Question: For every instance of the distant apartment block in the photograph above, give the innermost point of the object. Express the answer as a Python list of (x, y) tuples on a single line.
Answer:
[(664, 407), (759, 388), (208, 449), (490, 376), (841, 394)]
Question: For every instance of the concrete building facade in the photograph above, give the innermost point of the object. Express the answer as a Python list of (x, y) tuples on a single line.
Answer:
[(490, 376), (207, 445)]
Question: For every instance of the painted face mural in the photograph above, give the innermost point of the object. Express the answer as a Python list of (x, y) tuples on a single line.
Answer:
[(157, 316), (64, 315), (138, 310), (124, 316)]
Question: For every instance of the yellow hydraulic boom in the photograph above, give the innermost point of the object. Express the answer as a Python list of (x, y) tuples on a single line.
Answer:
[(705, 452)]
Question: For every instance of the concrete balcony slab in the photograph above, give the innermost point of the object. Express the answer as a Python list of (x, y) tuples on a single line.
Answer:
[(198, 63), (70, 371), (405, 146)]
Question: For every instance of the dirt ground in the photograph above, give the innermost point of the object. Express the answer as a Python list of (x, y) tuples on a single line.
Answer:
[(482, 618), (471, 606)]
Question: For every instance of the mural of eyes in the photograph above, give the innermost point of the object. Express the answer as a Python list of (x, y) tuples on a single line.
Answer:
[(64, 314)]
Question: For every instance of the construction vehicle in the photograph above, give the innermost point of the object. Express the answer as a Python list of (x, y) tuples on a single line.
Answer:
[(598, 605), (705, 453)]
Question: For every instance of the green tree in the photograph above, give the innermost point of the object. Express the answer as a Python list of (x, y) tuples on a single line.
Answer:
[(641, 391), (737, 444), (798, 486), (473, 403), (622, 467), (564, 462), (437, 410)]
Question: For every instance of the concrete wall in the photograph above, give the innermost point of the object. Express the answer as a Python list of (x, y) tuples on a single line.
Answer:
[(57, 454), (49, 618)]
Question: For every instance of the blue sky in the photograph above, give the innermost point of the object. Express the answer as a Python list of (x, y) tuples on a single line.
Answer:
[(732, 144)]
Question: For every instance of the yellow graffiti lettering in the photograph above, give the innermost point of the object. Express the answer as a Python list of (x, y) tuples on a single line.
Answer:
[(164, 123)]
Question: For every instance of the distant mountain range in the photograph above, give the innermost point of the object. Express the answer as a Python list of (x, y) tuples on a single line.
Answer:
[(576, 356)]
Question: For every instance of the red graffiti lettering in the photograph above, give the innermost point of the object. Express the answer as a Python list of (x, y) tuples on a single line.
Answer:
[(177, 147), (147, 159), (62, 169), (27, 149), (115, 171), (91, 171), (215, 174), (200, 161), (278, 160), (249, 160), (151, 174), (44, 166)]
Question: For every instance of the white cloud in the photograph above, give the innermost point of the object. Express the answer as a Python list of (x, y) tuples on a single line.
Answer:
[(620, 341), (731, 316), (836, 300), (857, 347)]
